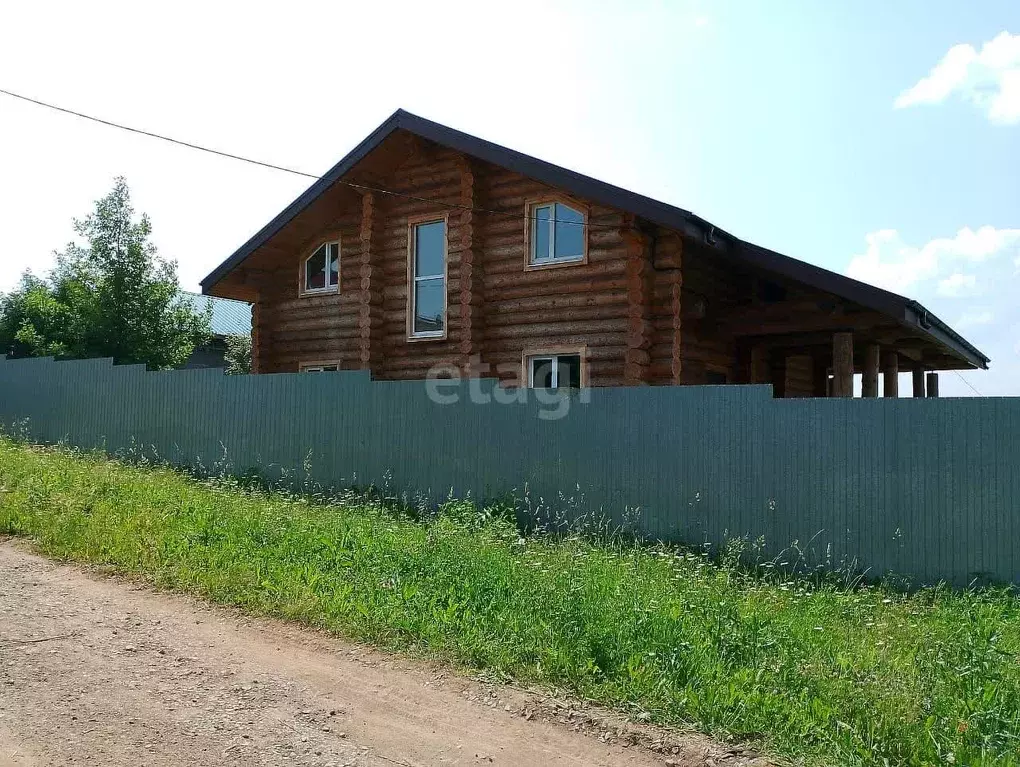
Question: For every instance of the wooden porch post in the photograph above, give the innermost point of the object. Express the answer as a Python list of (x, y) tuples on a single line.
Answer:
[(777, 367), (933, 384), (918, 373), (891, 375), (869, 381), (820, 376), (842, 364), (759, 365)]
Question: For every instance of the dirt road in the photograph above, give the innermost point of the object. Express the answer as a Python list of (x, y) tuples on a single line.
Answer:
[(97, 671)]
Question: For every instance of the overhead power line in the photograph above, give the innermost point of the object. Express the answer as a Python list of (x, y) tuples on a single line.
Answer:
[(284, 169), (141, 132), (960, 376), (295, 172)]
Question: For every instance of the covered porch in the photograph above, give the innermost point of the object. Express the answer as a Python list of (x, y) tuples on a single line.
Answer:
[(823, 329), (825, 365)]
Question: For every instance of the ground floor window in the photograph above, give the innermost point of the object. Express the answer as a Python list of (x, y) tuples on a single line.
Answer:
[(320, 367), (554, 370)]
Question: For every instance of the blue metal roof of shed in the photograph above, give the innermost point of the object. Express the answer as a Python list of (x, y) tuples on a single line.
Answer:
[(229, 318)]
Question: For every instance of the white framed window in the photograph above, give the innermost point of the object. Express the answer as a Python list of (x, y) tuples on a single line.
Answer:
[(426, 290), (320, 272), (320, 367), (555, 370), (558, 234)]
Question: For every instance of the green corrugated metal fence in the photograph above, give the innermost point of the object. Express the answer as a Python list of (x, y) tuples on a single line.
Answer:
[(926, 488)]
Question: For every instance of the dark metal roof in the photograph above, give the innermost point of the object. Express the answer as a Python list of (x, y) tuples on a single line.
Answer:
[(904, 310)]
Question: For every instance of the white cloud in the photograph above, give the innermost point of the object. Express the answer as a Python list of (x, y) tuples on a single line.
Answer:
[(948, 75), (986, 242), (957, 284), (989, 79), (973, 278), (972, 318), (890, 263)]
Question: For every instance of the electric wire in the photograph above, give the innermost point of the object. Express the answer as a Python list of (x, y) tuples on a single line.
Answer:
[(293, 171)]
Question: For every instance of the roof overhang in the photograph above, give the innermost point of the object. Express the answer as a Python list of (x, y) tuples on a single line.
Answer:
[(905, 311)]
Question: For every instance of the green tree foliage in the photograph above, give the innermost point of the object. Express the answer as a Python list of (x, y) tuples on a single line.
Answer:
[(31, 320), (112, 297), (238, 355)]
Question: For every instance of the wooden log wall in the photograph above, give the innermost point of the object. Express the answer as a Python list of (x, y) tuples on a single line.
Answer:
[(646, 306), (258, 335), (472, 287), (710, 284), (561, 307), (639, 304), (714, 291), (434, 174), (294, 328), (800, 376), (665, 317), (370, 311), (621, 311)]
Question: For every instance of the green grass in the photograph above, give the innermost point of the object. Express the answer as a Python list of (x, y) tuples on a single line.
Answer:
[(815, 672)]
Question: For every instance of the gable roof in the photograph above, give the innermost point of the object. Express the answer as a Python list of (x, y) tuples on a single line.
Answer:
[(903, 310), (229, 317)]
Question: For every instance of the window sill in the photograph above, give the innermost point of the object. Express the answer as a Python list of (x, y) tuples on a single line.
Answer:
[(315, 366), (319, 292), (433, 337), (531, 265)]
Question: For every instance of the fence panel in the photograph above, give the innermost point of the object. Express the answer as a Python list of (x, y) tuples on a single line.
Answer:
[(926, 488)]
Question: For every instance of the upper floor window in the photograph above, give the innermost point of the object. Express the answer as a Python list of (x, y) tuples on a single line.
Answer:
[(321, 272), (427, 288), (558, 234)]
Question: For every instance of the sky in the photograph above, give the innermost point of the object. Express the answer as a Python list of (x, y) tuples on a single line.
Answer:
[(880, 140)]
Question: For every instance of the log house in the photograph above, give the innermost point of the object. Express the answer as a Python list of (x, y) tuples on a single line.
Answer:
[(427, 248)]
